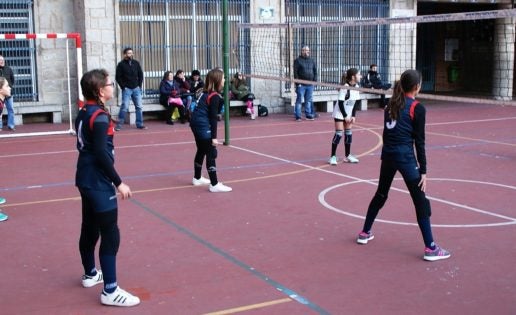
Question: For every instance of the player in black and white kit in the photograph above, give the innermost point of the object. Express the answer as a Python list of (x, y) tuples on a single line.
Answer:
[(96, 179), (343, 114), (404, 131)]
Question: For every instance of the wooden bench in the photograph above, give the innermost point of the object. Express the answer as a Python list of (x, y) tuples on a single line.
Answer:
[(153, 106), (23, 109)]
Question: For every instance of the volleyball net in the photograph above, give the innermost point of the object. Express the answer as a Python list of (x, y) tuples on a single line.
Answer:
[(467, 57)]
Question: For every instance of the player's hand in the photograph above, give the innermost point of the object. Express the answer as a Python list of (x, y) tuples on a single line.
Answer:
[(422, 183), (353, 120), (125, 191), (347, 119), (214, 142)]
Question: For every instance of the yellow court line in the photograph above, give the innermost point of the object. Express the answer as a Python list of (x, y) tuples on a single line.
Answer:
[(250, 307)]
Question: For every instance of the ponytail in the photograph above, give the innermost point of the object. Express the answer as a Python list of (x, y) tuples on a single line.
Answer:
[(396, 102)]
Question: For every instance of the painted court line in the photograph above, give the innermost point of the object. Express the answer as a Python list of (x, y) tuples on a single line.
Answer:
[(373, 182), (288, 292), (250, 307)]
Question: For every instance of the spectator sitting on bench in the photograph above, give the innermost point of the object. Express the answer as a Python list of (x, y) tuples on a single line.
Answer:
[(241, 92), (373, 80), (170, 98), (196, 87), (184, 89)]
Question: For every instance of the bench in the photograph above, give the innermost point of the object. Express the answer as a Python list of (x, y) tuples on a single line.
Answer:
[(22, 109), (153, 106), (329, 98)]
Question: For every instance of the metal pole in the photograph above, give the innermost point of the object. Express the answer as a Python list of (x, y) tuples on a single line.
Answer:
[(225, 51)]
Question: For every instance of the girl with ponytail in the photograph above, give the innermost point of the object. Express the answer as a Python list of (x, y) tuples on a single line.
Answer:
[(404, 131)]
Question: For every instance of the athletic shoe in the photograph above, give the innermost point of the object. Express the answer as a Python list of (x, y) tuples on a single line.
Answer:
[(333, 160), (119, 298), (200, 181), (220, 188), (310, 118), (2, 200), (299, 120), (3, 216), (437, 254), (351, 159), (143, 127), (363, 237), (118, 128), (88, 281)]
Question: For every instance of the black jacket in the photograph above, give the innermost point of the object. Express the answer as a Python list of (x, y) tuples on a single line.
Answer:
[(305, 69), (7, 73), (129, 74)]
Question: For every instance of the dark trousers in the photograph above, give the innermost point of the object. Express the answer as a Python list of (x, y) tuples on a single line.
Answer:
[(411, 177), (206, 148), (94, 225)]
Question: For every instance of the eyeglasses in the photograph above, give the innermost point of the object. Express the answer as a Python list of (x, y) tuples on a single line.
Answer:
[(112, 84)]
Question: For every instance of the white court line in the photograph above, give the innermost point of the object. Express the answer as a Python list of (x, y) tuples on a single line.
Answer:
[(373, 182)]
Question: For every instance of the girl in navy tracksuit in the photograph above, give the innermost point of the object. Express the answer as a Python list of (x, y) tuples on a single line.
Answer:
[(96, 179), (404, 130), (204, 127)]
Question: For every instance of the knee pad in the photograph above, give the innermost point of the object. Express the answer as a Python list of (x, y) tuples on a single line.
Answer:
[(348, 136), (421, 203), (379, 200), (337, 136)]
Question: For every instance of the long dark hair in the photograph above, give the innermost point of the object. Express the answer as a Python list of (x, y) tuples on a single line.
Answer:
[(407, 82), (214, 81), (165, 76), (348, 75), (91, 83)]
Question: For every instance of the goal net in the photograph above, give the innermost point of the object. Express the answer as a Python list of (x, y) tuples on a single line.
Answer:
[(467, 57), (45, 84)]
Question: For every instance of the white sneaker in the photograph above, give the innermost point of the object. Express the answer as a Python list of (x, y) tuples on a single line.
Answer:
[(220, 188), (351, 159), (88, 281), (333, 160), (119, 298), (200, 181)]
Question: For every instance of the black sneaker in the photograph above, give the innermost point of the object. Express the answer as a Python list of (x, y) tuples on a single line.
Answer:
[(142, 127)]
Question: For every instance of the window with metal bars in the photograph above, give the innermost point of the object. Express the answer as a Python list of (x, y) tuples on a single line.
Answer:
[(16, 17), (179, 34)]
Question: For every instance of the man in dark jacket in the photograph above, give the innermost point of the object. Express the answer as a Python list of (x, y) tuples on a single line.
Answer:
[(305, 69), (373, 80), (129, 76), (7, 72)]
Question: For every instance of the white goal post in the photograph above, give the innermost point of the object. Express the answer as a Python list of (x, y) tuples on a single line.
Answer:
[(44, 80)]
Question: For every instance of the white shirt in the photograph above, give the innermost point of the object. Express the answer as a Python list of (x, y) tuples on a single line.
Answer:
[(354, 95)]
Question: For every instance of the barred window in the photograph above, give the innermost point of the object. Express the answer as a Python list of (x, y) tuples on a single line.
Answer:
[(16, 17)]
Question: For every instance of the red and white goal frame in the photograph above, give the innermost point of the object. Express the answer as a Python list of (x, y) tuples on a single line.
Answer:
[(78, 50)]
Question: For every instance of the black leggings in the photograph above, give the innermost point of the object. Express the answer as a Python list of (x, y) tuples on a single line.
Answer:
[(103, 225), (410, 174), (206, 148)]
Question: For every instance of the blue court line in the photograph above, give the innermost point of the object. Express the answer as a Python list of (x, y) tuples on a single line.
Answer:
[(288, 292)]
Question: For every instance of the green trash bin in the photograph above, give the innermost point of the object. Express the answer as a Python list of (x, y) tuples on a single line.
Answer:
[(453, 73)]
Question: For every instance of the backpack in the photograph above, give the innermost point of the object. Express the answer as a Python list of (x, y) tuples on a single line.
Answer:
[(263, 111)]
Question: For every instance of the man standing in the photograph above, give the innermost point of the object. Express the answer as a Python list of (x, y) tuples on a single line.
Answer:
[(305, 69), (7, 72), (129, 76)]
